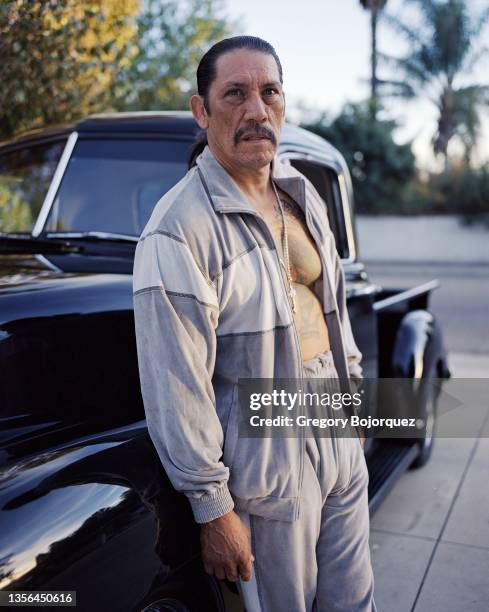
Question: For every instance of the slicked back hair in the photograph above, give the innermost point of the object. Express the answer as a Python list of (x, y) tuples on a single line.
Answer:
[(206, 73)]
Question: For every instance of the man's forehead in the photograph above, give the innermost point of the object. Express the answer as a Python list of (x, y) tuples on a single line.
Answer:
[(246, 66)]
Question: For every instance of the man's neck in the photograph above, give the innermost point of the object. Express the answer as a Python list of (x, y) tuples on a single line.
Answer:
[(254, 183)]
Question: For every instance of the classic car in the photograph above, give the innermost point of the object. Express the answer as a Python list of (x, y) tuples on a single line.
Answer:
[(85, 505)]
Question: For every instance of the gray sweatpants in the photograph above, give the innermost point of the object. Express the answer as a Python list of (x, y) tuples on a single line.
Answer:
[(321, 561)]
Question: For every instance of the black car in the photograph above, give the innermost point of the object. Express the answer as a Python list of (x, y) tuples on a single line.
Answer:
[(85, 505)]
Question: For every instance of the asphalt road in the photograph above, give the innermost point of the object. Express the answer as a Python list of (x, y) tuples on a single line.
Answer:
[(461, 303)]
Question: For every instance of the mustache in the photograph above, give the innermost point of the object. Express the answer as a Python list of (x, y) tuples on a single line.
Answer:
[(256, 130)]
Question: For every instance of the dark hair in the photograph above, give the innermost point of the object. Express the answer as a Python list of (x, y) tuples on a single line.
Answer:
[(206, 70), (198, 146), (206, 73)]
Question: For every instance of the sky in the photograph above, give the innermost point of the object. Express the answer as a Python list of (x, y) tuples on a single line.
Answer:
[(324, 48)]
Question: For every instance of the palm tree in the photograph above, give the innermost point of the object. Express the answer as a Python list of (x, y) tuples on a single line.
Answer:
[(443, 52), (374, 6)]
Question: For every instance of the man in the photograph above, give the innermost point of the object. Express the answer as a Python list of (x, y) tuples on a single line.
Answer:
[(236, 275)]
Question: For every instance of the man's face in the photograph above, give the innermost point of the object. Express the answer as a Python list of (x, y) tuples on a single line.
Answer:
[(246, 109)]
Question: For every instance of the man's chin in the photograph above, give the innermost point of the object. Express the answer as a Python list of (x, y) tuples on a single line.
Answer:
[(257, 153)]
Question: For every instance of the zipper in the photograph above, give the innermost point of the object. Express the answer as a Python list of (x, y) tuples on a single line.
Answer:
[(299, 351), (263, 222), (267, 230)]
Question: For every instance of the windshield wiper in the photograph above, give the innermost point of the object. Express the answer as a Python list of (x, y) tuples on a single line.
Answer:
[(26, 243), (95, 235)]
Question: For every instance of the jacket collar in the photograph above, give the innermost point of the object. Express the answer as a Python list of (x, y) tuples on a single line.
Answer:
[(226, 196)]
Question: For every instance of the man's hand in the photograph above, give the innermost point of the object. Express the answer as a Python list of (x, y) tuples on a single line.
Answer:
[(226, 548)]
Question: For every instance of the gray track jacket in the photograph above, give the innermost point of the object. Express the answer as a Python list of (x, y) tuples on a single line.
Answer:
[(211, 307)]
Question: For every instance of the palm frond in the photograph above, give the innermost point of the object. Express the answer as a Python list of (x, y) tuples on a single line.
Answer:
[(411, 66), (428, 9), (396, 89), (474, 58), (451, 36), (472, 95), (397, 24), (480, 23)]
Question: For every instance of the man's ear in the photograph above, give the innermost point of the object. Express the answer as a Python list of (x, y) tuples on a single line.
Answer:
[(198, 111)]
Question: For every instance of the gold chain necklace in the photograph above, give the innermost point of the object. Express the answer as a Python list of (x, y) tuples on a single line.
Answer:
[(285, 246)]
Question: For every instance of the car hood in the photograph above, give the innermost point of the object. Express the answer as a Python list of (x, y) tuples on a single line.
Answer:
[(27, 270), (39, 285)]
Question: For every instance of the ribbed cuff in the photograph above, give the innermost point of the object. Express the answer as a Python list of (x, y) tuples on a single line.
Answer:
[(209, 507)]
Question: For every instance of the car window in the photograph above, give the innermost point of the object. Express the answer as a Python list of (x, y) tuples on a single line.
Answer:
[(112, 185), (325, 181), (25, 175)]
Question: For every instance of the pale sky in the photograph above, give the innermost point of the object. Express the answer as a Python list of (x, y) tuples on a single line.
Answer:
[(324, 48)]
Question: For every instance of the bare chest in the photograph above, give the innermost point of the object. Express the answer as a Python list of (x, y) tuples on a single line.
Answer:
[(305, 262)]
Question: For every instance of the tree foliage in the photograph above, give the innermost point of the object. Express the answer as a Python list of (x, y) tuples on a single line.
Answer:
[(443, 51), (381, 169), (462, 191), (58, 60), (171, 39), (62, 60)]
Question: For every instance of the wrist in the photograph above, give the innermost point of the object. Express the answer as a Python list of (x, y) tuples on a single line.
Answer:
[(217, 522), (213, 505)]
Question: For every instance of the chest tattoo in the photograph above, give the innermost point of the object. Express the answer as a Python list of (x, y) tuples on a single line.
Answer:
[(291, 209)]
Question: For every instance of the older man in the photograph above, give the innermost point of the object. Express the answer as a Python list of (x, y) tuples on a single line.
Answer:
[(236, 275)]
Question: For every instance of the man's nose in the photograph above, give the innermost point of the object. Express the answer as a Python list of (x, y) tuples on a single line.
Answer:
[(256, 108)]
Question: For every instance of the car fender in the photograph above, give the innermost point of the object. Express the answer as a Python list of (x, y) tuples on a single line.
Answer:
[(418, 347)]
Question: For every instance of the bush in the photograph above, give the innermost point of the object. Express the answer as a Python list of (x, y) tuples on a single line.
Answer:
[(463, 191), (383, 172), (384, 175)]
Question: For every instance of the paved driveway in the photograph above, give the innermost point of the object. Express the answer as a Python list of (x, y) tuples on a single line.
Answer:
[(430, 536)]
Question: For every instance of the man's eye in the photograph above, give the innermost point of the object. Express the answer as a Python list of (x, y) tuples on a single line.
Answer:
[(270, 91), (234, 92)]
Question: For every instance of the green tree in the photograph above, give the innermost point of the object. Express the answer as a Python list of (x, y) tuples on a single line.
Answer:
[(442, 53), (462, 191), (59, 59), (374, 6), (172, 37), (382, 171), (16, 214)]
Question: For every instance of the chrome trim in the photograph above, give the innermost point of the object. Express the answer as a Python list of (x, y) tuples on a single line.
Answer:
[(352, 249), (406, 295), (96, 234), (47, 263), (368, 290), (55, 183), (331, 164)]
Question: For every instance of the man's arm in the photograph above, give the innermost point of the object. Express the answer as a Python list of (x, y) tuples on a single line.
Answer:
[(176, 311)]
